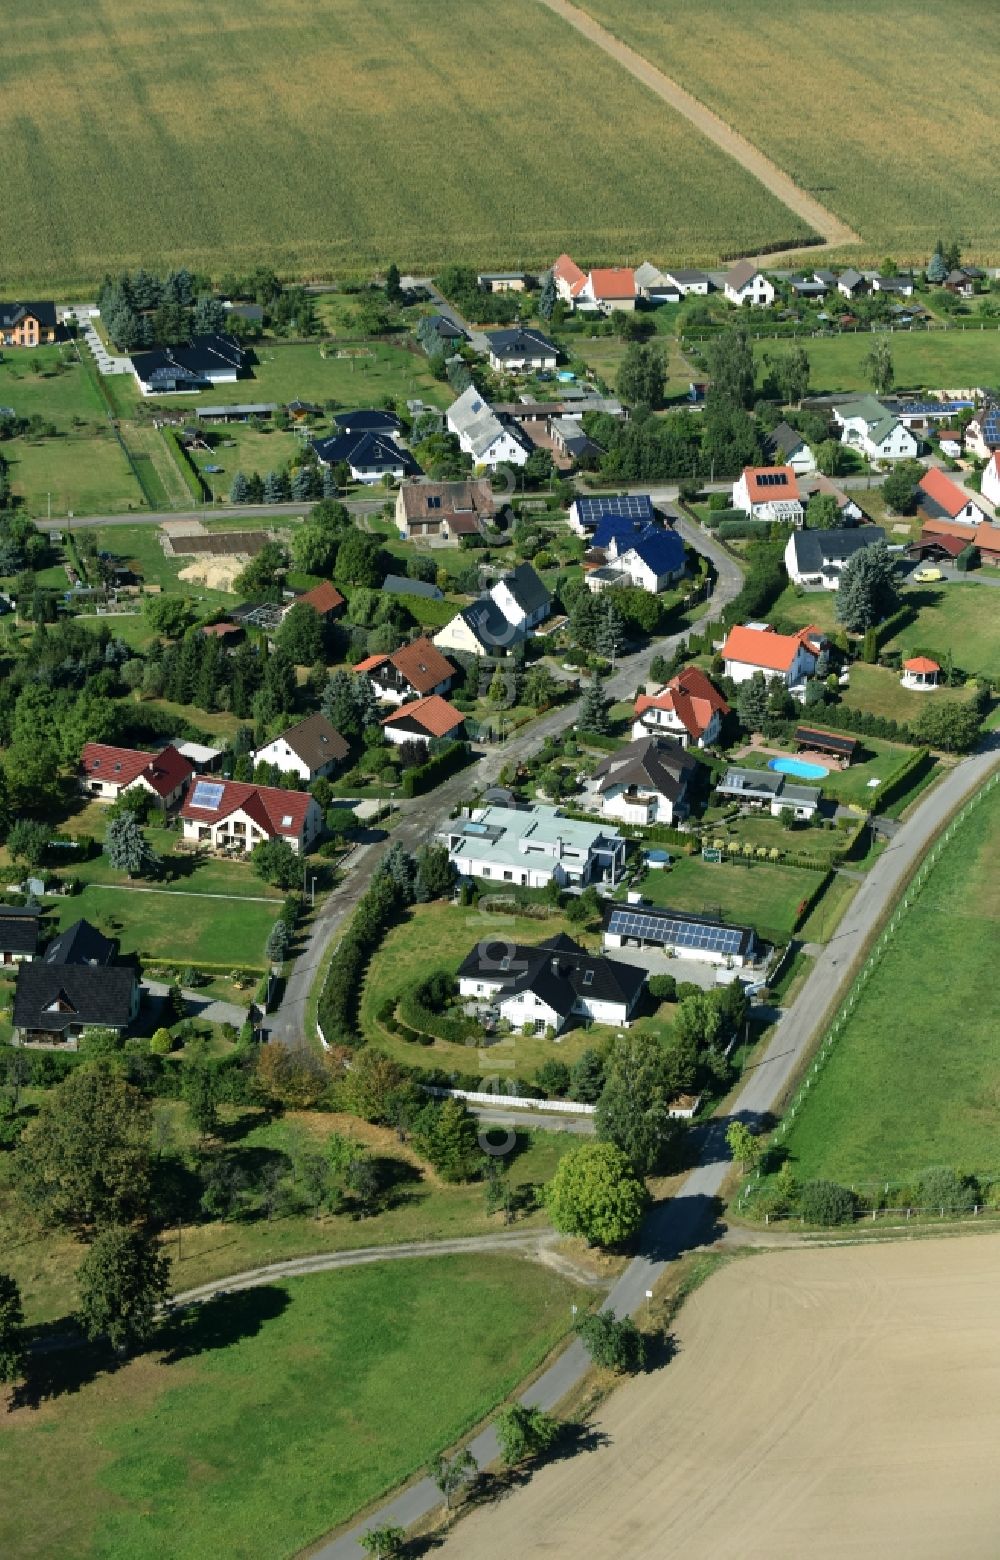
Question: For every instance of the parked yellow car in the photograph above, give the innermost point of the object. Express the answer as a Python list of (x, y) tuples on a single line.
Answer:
[(925, 576)]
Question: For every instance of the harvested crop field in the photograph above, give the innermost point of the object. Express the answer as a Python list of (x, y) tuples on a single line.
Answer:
[(341, 135), (838, 1403), (855, 104)]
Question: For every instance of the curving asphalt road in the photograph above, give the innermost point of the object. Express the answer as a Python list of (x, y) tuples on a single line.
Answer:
[(421, 816), (686, 1219)]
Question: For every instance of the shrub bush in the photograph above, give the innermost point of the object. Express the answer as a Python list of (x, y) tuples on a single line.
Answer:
[(946, 1189), (826, 1203)]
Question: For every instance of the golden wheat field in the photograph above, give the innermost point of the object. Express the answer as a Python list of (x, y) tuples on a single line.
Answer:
[(885, 112), (341, 134)]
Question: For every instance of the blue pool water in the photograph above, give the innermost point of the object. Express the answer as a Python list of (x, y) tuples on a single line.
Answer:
[(797, 767)]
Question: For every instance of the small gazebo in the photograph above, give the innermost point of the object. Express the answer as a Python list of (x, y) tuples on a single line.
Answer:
[(921, 673)]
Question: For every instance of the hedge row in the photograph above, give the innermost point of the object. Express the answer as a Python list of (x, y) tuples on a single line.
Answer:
[(341, 994), (196, 484), (905, 777), (437, 768), (453, 1027), (810, 902), (650, 834)]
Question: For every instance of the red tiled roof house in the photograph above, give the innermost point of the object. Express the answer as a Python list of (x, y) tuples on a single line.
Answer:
[(689, 708), (423, 720), (229, 815), (105, 772), (790, 657), (413, 671)]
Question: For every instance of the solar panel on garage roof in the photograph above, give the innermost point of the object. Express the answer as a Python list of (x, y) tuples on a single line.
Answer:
[(676, 931), (630, 506), (208, 794)]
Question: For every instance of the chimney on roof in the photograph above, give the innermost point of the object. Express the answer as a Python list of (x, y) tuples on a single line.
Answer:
[(555, 965)]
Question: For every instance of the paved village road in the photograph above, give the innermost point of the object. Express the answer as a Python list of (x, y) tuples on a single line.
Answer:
[(421, 816), (686, 1220), (834, 231)]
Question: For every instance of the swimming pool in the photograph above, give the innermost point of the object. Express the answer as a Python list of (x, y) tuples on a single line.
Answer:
[(797, 767)]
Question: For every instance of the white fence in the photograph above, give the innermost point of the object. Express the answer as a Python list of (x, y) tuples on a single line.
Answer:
[(514, 1101), (549, 1107)]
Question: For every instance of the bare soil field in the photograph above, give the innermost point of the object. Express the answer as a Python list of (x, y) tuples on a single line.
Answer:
[(840, 1402)]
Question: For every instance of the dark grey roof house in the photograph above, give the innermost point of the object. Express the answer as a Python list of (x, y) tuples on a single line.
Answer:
[(75, 987), (81, 943), (59, 1002), (210, 359), (18, 933), (817, 557), (547, 984)]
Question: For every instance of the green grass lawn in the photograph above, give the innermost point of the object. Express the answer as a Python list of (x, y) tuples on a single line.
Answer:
[(878, 690), (923, 359), (162, 926), (273, 1415), (757, 894), (914, 1078), (957, 617), (204, 875)]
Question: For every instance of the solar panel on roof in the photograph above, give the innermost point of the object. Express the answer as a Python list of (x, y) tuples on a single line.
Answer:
[(675, 931), (627, 506), (208, 794)]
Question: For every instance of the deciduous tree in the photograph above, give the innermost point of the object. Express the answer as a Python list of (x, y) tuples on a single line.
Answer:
[(122, 1280), (596, 1194), (84, 1160)]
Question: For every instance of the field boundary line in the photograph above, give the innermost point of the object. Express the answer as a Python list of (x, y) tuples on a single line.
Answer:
[(835, 233)]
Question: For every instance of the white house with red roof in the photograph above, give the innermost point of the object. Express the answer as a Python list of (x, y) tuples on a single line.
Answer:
[(598, 291), (769, 493), (423, 720), (754, 647), (991, 480), (939, 498), (689, 708), (569, 279), (105, 772), (228, 815)]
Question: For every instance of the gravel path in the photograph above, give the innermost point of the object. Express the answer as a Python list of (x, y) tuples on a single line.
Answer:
[(834, 232)]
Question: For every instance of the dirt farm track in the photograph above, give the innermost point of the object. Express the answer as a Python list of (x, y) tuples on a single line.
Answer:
[(823, 1403)]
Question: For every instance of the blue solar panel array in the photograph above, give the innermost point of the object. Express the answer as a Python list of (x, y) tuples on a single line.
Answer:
[(630, 506), (675, 931), (207, 793), (991, 425)]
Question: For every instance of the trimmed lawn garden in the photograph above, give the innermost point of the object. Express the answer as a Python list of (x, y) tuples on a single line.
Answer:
[(878, 690), (958, 617), (272, 1415), (914, 1078), (156, 923), (755, 893)]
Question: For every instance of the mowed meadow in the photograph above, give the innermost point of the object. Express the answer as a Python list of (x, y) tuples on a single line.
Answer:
[(886, 112), (341, 135)]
